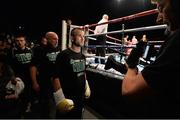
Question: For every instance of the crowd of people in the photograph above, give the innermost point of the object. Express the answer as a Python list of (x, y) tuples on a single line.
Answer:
[(29, 76)]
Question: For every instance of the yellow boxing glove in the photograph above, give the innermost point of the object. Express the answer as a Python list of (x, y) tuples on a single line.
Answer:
[(87, 90), (63, 105)]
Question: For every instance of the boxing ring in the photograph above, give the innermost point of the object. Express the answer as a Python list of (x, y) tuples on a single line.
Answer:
[(118, 44), (105, 84)]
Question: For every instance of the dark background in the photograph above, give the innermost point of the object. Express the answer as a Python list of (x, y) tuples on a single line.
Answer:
[(36, 17)]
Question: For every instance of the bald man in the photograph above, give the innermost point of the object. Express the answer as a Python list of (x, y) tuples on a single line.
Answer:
[(52, 38), (101, 39), (44, 62)]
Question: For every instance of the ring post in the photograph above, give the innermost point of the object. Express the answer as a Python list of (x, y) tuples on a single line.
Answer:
[(86, 42), (64, 35)]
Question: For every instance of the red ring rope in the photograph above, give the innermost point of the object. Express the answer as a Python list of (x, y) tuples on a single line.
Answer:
[(129, 17)]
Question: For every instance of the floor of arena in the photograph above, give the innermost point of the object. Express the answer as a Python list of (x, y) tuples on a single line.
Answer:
[(89, 113)]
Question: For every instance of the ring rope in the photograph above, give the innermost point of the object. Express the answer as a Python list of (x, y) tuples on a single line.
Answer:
[(156, 27), (110, 37), (137, 15), (106, 41), (111, 46), (123, 45)]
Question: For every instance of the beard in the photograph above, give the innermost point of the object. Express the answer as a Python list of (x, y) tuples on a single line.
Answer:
[(77, 44)]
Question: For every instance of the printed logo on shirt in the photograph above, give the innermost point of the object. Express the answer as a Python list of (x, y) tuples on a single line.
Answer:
[(78, 65), (24, 57), (52, 56)]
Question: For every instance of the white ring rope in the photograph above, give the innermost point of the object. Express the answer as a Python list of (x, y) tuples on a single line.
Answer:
[(106, 41), (156, 27), (110, 37), (120, 45)]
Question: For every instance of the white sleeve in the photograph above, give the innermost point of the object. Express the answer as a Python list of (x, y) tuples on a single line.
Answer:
[(101, 28), (58, 96)]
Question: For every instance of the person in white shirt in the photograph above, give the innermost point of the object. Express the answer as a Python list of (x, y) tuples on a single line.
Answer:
[(101, 39)]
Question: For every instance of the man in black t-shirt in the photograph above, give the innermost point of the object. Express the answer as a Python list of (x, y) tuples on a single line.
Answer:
[(71, 76), (154, 92), (42, 69), (19, 59)]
